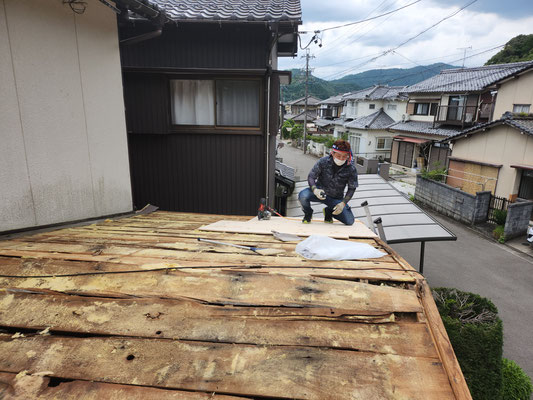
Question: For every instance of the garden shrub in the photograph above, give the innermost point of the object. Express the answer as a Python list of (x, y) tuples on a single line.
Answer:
[(476, 334), (437, 175), (500, 216), (498, 232), (516, 385)]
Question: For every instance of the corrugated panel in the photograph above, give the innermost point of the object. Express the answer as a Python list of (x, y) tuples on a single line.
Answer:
[(216, 174), (199, 46)]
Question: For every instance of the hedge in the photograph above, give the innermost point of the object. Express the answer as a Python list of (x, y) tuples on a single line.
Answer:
[(516, 384), (476, 334)]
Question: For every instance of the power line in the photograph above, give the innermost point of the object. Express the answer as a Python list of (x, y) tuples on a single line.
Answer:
[(405, 42), (371, 18)]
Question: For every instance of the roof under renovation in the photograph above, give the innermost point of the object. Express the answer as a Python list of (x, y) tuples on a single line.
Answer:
[(230, 10), (139, 308), (462, 80)]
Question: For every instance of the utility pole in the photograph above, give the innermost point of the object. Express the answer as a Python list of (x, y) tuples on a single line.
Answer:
[(307, 57), (464, 53)]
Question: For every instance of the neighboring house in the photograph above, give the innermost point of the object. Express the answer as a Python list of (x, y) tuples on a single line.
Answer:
[(369, 136), (202, 97), (368, 101), (297, 106), (495, 156), (331, 108), (64, 154), (444, 105)]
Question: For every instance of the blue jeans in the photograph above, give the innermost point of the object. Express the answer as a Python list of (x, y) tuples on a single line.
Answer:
[(306, 196)]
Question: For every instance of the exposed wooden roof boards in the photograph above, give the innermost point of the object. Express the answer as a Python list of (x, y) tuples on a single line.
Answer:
[(143, 310)]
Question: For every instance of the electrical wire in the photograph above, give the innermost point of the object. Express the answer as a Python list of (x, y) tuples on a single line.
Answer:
[(386, 52), (369, 19)]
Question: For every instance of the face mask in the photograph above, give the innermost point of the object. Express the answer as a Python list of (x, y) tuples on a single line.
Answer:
[(339, 162)]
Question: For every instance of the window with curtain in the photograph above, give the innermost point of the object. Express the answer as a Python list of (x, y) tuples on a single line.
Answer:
[(193, 102), (220, 102), (384, 143), (237, 103)]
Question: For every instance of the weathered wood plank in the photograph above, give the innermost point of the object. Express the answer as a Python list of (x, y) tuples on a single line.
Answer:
[(230, 287), (189, 320), (283, 372), (26, 386)]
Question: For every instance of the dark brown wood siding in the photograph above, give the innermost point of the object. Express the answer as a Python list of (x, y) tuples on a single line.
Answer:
[(215, 174), (235, 46)]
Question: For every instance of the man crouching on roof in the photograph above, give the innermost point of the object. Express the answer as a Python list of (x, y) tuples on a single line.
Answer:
[(327, 181)]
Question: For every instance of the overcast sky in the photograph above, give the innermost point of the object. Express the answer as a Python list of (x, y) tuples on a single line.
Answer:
[(483, 25)]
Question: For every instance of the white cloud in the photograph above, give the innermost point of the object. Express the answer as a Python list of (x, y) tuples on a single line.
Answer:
[(360, 43)]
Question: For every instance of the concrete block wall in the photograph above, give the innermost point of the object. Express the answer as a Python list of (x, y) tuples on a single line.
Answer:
[(518, 216), (451, 201)]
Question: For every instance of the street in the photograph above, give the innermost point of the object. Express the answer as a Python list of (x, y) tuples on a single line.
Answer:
[(473, 264)]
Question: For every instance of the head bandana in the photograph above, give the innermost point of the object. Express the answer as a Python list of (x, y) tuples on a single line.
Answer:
[(336, 149)]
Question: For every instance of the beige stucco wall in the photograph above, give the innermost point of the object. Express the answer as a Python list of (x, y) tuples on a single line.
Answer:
[(64, 150), (499, 145), (515, 91)]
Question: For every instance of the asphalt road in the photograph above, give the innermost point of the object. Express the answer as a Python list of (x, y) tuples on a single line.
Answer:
[(495, 271), (473, 264)]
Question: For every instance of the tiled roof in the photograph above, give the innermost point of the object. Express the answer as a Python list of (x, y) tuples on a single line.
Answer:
[(323, 122), (313, 101), (333, 100), (423, 127), (378, 92), (378, 120), (468, 79), (301, 117), (523, 124), (230, 10)]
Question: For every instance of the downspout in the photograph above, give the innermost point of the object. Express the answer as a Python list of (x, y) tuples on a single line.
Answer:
[(267, 136)]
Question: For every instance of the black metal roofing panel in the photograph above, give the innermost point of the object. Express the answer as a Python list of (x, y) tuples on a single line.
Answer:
[(231, 10), (403, 221)]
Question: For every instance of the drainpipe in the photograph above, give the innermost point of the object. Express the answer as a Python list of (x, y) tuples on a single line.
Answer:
[(267, 183)]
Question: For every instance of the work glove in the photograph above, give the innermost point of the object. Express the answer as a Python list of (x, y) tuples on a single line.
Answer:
[(338, 208), (319, 193)]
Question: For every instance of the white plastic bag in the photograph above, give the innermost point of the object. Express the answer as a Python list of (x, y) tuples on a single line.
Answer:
[(317, 247)]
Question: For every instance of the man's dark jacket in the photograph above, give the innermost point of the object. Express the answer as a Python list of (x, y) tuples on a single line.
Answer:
[(332, 179)]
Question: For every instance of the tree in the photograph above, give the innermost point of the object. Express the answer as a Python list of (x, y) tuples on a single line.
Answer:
[(519, 48)]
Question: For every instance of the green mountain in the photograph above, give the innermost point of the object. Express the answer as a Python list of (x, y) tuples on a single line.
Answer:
[(323, 89), (519, 48)]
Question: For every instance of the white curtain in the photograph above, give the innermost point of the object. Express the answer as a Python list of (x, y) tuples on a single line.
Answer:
[(193, 102), (238, 103)]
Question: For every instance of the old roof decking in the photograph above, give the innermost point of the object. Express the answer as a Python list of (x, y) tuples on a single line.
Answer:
[(461, 80), (230, 10), (137, 305)]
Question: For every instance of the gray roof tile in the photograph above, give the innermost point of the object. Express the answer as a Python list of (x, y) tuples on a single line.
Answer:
[(378, 120), (231, 10), (523, 124), (378, 92), (468, 79), (311, 100), (424, 127), (333, 100)]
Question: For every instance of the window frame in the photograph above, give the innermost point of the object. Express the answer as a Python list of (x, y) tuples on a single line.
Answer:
[(522, 105), (372, 106), (392, 107), (216, 129), (415, 110), (384, 142)]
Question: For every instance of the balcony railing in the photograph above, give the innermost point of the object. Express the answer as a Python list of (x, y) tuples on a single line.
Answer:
[(457, 115)]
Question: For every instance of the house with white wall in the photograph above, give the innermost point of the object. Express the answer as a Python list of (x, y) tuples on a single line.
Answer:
[(64, 154), (368, 101)]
